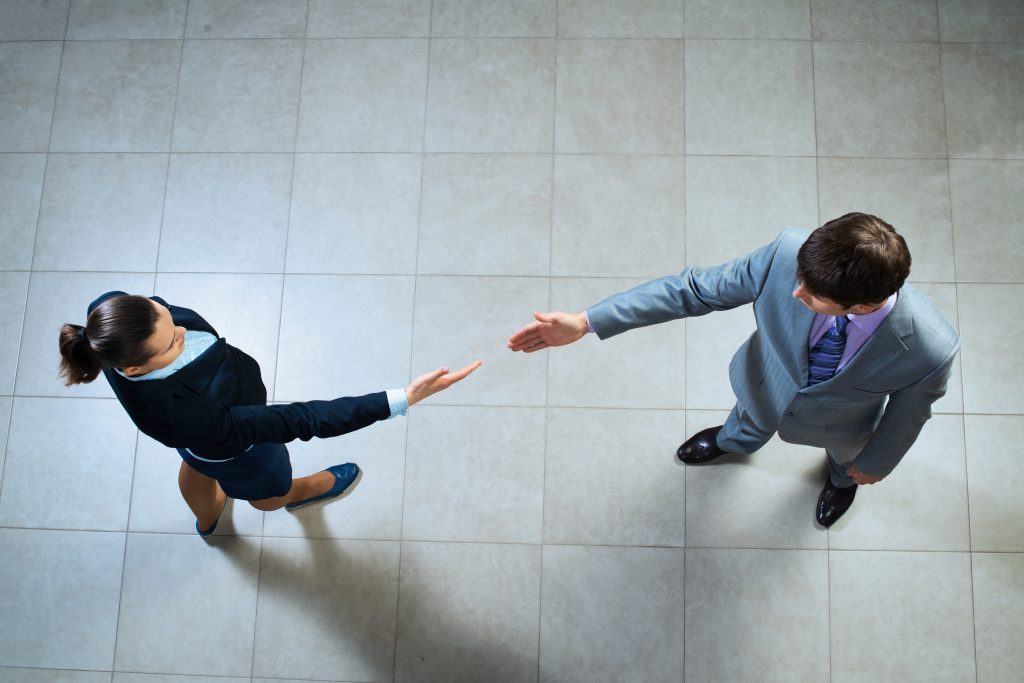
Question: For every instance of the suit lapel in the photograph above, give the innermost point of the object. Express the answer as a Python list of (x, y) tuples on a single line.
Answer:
[(882, 349)]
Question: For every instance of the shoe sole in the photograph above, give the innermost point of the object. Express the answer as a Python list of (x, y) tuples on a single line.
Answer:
[(355, 482)]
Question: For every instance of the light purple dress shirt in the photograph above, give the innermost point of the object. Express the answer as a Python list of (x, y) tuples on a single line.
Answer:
[(858, 332)]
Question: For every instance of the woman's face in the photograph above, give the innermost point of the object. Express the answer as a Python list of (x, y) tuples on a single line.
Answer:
[(165, 344)]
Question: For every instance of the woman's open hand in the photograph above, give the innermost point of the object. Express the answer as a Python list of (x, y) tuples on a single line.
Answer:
[(438, 380)]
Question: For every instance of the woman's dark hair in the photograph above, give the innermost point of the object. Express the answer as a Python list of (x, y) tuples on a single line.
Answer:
[(114, 336), (854, 259)]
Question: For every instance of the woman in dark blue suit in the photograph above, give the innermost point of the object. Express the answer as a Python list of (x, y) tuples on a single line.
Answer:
[(190, 390)]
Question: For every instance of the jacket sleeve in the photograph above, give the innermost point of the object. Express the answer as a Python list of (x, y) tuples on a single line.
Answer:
[(695, 291), (243, 426), (904, 417)]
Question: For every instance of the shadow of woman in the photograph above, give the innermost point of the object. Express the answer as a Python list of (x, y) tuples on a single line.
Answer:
[(328, 609)]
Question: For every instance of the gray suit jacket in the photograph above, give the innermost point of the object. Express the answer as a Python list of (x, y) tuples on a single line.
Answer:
[(907, 360)]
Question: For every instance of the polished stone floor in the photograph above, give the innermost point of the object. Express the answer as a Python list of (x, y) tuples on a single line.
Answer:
[(359, 191)]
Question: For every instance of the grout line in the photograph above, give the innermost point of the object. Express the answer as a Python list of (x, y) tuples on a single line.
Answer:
[(124, 554), (412, 342), (956, 297), (528, 152), (170, 149), (705, 38)]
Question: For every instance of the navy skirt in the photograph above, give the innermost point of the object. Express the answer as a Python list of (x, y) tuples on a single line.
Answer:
[(263, 471)]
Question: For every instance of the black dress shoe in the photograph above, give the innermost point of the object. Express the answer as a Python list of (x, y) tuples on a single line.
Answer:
[(701, 447), (833, 502)]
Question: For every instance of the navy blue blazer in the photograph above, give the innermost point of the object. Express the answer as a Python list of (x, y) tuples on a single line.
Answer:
[(216, 405)]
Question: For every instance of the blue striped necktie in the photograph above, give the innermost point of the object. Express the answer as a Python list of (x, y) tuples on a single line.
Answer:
[(823, 359)]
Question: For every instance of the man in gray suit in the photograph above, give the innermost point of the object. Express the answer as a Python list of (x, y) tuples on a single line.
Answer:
[(845, 356)]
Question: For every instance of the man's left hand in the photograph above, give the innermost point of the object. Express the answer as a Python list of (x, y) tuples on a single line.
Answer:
[(862, 478)]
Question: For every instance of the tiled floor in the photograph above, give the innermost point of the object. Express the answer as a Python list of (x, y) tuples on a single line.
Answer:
[(358, 191)]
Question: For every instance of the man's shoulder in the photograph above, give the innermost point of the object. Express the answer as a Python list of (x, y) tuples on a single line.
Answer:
[(931, 328)]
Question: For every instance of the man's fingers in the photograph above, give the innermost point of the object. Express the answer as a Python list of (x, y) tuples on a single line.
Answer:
[(523, 333)]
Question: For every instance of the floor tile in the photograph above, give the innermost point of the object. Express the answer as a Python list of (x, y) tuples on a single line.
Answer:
[(764, 500), (988, 230), (611, 614), (620, 19), (618, 216), (486, 214), (738, 204), (879, 100), (750, 19), (620, 97), (85, 449), (990, 365), (611, 478), (90, 202), (463, 319), (944, 296), (28, 79), (912, 195), (374, 508), (21, 188), (138, 79), (491, 474), (238, 96), (79, 573), (126, 19), (468, 612), (363, 96), (981, 21), (922, 505), (745, 607), (994, 478), (467, 111), (53, 300), (244, 309), (157, 505), (984, 90), (875, 20), (359, 19), (749, 97), (644, 368), (493, 18), (358, 344), (354, 214), (711, 342), (53, 676), (246, 19), (170, 581), (999, 615), (13, 293), (327, 606), (226, 213), (928, 634), (33, 20)]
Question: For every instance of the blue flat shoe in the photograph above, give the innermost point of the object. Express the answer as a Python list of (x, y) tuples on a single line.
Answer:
[(206, 533), (345, 477)]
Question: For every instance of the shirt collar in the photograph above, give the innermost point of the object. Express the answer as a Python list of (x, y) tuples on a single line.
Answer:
[(869, 322)]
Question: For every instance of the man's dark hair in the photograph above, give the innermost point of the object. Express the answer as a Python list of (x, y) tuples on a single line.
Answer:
[(855, 259)]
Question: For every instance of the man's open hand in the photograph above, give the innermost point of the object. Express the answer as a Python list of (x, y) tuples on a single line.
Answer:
[(549, 329), (438, 380)]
